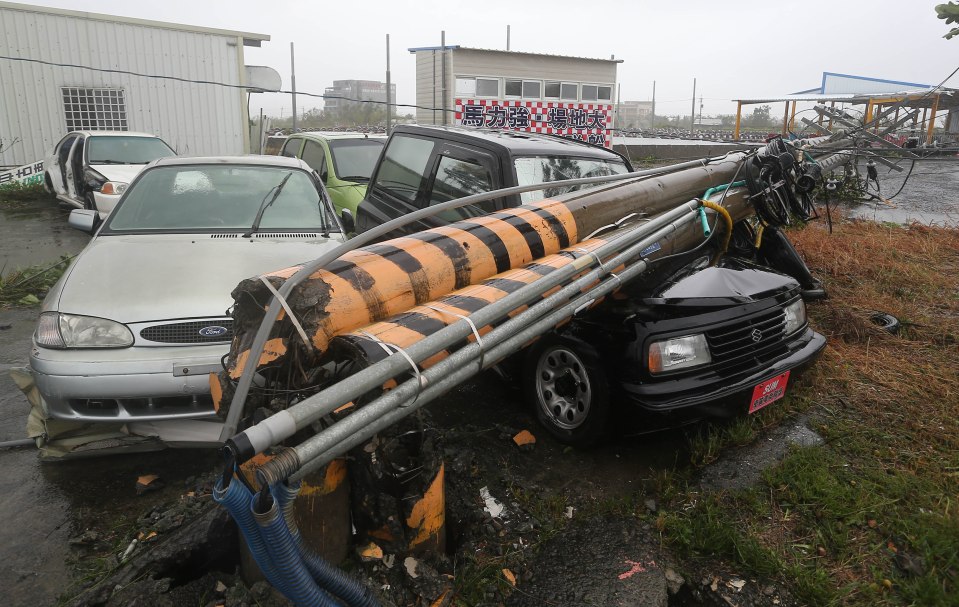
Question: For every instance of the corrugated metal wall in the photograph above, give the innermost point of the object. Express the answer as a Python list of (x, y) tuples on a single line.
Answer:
[(195, 119)]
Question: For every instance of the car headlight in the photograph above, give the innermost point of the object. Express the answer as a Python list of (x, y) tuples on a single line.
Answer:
[(795, 316), (678, 353), (114, 187), (62, 331)]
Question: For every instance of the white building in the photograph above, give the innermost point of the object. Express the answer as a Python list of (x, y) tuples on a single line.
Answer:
[(136, 75), (533, 92)]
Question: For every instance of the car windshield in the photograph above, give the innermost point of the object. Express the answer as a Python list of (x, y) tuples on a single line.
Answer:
[(354, 159), (543, 169), (191, 198), (126, 150)]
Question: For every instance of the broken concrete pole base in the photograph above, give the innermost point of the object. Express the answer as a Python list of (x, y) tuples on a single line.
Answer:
[(398, 489), (321, 511)]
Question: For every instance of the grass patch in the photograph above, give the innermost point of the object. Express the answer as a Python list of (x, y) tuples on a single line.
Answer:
[(13, 193), (29, 286), (872, 516)]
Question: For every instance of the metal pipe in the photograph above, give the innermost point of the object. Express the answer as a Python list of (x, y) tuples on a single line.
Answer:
[(284, 424), (370, 236), (501, 342)]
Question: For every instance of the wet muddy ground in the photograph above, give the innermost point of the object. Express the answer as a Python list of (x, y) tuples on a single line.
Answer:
[(930, 194), (94, 502)]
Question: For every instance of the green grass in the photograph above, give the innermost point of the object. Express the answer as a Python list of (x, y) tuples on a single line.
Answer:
[(14, 193), (871, 517), (28, 287)]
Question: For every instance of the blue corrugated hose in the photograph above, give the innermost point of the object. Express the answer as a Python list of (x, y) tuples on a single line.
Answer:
[(326, 575)]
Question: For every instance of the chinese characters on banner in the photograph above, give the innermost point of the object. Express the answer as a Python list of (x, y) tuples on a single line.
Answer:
[(28, 174), (584, 121)]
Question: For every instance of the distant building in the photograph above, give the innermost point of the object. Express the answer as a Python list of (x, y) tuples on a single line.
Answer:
[(634, 115), (707, 121), (533, 92), (42, 98), (350, 93)]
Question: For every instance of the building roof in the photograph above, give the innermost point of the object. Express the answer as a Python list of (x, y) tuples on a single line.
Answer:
[(898, 84), (948, 98), (249, 38), (457, 47)]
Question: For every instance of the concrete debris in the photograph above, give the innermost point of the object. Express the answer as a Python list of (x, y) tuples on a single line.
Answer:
[(674, 581), (493, 506), (525, 440), (410, 563), (736, 584), (148, 482), (569, 512)]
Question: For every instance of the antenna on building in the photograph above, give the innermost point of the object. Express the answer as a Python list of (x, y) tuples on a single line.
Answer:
[(389, 92), (507, 37)]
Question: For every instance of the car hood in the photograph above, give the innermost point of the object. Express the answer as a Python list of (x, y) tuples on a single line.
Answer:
[(139, 278), (732, 282), (118, 172), (347, 194)]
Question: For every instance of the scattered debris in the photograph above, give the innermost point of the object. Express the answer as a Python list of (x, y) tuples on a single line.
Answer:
[(674, 581), (370, 552), (736, 584), (509, 577), (493, 506), (148, 482), (651, 505), (525, 440), (411, 564), (569, 512)]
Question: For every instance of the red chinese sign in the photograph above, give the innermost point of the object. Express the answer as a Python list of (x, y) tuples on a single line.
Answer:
[(589, 122)]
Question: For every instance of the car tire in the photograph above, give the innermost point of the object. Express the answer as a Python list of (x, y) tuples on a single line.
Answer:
[(564, 382)]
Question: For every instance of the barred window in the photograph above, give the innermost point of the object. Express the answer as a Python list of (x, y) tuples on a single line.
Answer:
[(94, 109)]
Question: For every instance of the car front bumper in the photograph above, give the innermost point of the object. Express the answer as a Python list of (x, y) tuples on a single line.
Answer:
[(128, 384), (722, 395)]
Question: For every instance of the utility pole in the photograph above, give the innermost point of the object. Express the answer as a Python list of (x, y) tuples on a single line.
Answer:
[(619, 99), (443, 67), (507, 37), (692, 115), (389, 91), (293, 84), (652, 118), (700, 110), (259, 147)]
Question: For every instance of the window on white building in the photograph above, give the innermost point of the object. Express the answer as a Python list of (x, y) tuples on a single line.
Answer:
[(514, 88), (568, 91), (532, 89), (94, 109)]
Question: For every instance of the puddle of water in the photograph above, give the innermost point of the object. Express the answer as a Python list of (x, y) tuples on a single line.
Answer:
[(36, 233)]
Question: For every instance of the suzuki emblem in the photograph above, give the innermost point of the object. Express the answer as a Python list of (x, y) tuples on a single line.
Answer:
[(756, 334)]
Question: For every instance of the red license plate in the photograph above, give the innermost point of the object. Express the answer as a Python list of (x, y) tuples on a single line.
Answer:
[(768, 392)]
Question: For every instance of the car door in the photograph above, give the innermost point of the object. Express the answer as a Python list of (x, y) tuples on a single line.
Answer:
[(73, 169), (457, 172), (57, 168), (399, 182)]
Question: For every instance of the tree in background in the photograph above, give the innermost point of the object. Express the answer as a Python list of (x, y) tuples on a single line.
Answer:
[(950, 13), (760, 118)]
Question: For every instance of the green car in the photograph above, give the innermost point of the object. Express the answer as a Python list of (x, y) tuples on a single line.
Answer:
[(344, 162)]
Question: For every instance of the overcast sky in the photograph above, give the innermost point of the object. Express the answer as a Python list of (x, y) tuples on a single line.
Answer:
[(735, 48)]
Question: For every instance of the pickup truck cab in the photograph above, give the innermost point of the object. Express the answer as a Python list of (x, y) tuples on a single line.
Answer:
[(692, 339), (427, 165)]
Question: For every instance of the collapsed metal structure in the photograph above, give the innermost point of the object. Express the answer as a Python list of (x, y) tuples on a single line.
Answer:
[(412, 317)]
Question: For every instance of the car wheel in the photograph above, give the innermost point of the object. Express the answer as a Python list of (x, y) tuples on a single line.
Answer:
[(565, 384)]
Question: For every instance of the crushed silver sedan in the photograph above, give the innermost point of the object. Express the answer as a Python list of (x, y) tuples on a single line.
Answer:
[(132, 331)]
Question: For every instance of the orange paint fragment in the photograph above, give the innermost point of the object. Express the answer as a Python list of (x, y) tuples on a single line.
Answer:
[(216, 391), (509, 577), (371, 552), (429, 514), (524, 438)]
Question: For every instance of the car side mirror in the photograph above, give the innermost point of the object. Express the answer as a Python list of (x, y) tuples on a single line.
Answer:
[(349, 223), (84, 220)]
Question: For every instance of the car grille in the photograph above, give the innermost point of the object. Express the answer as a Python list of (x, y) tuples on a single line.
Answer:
[(745, 343), (188, 332)]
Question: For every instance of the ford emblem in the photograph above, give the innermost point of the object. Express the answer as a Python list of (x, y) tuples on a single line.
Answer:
[(213, 331)]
